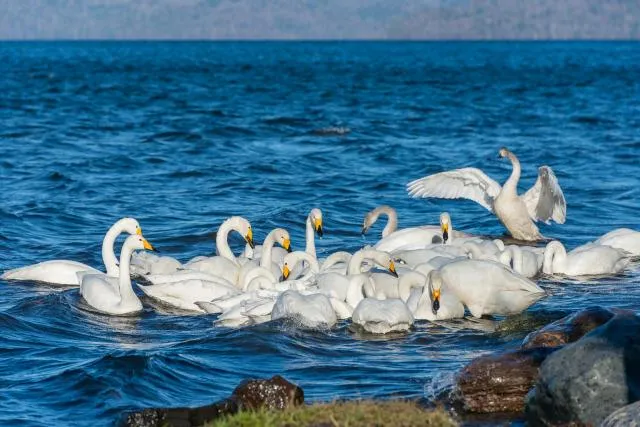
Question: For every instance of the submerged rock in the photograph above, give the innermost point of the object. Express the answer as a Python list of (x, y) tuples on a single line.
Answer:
[(586, 381), (274, 393), (499, 383), (568, 329), (627, 416)]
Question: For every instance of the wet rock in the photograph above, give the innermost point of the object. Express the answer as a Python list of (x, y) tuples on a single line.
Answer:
[(499, 383), (627, 416), (568, 329), (586, 381), (274, 393)]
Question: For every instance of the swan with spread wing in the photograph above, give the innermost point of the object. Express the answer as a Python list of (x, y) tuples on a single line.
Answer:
[(543, 202)]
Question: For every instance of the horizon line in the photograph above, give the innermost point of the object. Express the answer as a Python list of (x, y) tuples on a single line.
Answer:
[(314, 40)]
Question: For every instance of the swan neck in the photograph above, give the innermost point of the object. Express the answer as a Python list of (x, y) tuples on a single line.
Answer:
[(512, 183), (267, 246), (222, 241), (392, 221), (355, 291), (336, 258), (310, 239), (108, 254), (554, 255), (124, 280), (355, 263), (314, 266), (407, 282)]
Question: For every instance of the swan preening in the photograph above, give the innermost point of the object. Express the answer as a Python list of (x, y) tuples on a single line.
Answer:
[(422, 273), (543, 202)]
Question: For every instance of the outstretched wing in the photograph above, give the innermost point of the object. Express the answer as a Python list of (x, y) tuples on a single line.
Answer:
[(545, 200), (465, 183)]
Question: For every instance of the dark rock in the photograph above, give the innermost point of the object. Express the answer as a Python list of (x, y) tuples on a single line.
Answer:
[(499, 383), (568, 329), (627, 416), (274, 393), (586, 381)]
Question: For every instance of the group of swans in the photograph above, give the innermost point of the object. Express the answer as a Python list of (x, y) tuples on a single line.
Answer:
[(430, 272)]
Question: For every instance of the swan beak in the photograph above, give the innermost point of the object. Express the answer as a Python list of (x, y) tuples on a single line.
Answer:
[(445, 233), (285, 271), (139, 231), (148, 246), (436, 301), (249, 239), (364, 229), (287, 245), (318, 226), (392, 269)]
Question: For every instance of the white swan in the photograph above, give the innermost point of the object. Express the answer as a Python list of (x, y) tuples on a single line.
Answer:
[(382, 316), (184, 294), (371, 217), (543, 202), (428, 303), (588, 259), (622, 238), (522, 261), (225, 263), (64, 272), (487, 287), (420, 237), (277, 235), (312, 311), (115, 295), (144, 263)]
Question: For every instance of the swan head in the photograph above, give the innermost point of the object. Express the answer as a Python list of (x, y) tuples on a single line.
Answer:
[(385, 260), (445, 226), (315, 216), (246, 231), (282, 238), (369, 220), (435, 286), (504, 152), (130, 225), (138, 242)]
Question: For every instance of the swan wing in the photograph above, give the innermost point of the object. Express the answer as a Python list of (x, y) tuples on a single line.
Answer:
[(465, 183), (545, 200)]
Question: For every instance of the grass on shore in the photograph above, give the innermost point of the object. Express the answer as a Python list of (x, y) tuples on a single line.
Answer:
[(342, 414)]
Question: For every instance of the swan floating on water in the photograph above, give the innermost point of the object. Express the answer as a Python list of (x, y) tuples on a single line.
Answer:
[(589, 259), (112, 295), (543, 202), (622, 238), (64, 272), (312, 311)]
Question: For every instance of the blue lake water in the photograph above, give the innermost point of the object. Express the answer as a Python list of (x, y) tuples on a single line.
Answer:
[(183, 135)]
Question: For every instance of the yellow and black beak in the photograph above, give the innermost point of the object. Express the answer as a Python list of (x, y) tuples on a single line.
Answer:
[(318, 226), (435, 295), (364, 229), (392, 269), (285, 271), (139, 231), (287, 245), (249, 239), (445, 232), (148, 246)]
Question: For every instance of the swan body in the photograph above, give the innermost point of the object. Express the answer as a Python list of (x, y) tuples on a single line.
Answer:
[(543, 202), (64, 272), (486, 287), (225, 264), (144, 263), (186, 293), (622, 238), (310, 310), (589, 259), (382, 316), (522, 261), (115, 296)]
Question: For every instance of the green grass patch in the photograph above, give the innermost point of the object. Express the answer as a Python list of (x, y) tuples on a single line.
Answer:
[(342, 414)]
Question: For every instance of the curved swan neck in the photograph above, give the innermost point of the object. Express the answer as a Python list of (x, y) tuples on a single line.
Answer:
[(108, 254), (392, 218), (511, 184), (267, 247), (336, 258), (222, 238), (124, 279), (314, 267), (355, 292), (310, 238), (409, 281), (554, 254), (355, 263)]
